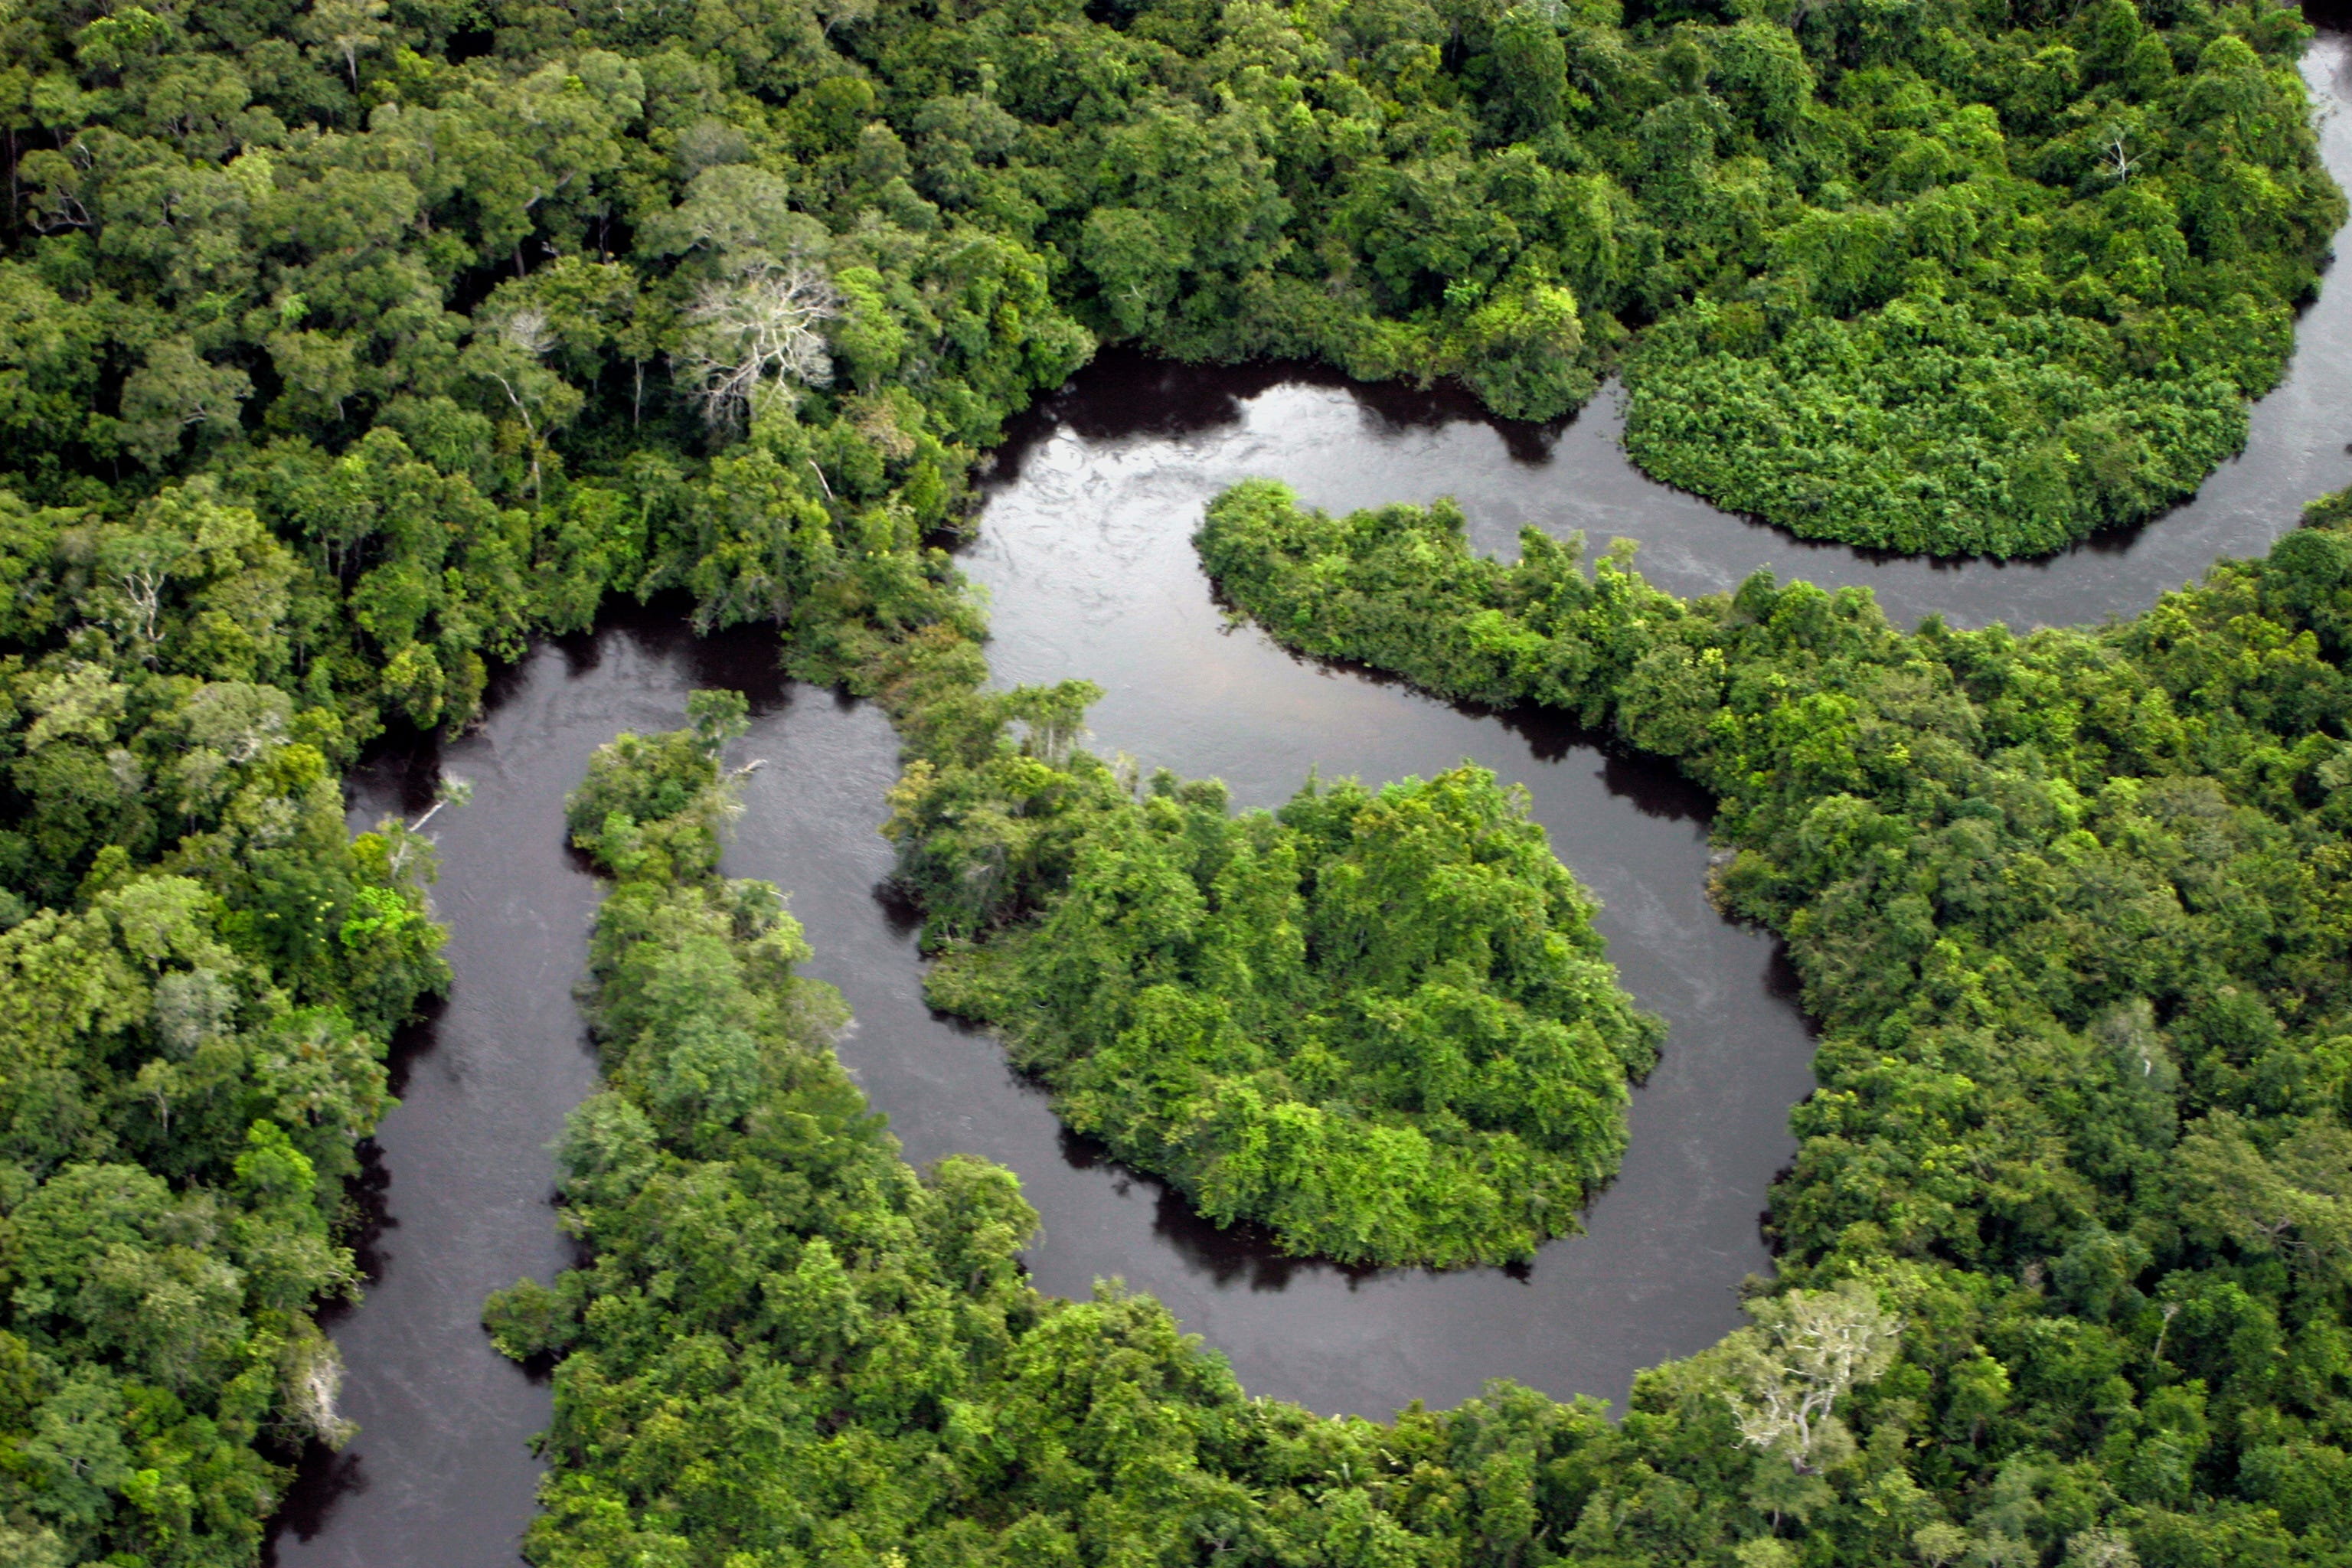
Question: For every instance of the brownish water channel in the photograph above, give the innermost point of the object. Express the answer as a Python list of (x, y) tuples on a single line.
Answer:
[(1084, 550)]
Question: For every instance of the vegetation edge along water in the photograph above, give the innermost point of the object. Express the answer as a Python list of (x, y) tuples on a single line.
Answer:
[(345, 347), (2064, 1256), (790, 1348)]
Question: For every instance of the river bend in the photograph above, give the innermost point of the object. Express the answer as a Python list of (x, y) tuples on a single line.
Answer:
[(1083, 551)]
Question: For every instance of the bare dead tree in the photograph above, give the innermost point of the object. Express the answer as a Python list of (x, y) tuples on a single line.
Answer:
[(1807, 1349), (2100, 1549), (530, 330), (845, 13), (140, 583), (757, 327), (2120, 163)]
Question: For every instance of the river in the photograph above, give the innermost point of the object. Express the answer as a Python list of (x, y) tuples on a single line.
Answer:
[(1082, 549)]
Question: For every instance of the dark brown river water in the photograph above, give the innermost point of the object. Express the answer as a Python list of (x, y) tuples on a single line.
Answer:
[(1084, 550)]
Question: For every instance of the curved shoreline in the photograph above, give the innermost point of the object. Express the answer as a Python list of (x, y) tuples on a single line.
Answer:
[(439, 1474)]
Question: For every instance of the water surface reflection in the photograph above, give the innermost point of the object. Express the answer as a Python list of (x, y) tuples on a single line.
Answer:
[(1084, 548), (1145, 429)]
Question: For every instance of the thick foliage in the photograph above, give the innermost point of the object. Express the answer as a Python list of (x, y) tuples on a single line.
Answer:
[(344, 346), (788, 1349), (2013, 288), (2076, 915), (199, 971), (477, 333), (1377, 1023)]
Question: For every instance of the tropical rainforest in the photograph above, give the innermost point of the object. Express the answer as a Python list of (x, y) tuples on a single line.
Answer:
[(2063, 1260), (199, 974), (1379, 1023), (345, 347), (2074, 913)]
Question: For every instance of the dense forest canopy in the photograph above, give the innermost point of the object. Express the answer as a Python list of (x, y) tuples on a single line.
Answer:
[(199, 973), (1933, 275), (2064, 1258), (2074, 913), (1378, 1021), (345, 347)]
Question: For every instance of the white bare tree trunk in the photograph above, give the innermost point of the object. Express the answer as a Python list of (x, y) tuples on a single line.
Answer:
[(757, 327), (1809, 1347)]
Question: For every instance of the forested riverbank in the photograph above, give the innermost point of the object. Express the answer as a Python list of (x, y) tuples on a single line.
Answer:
[(792, 1348), (199, 974), (2075, 1158), (344, 349), (2071, 909)]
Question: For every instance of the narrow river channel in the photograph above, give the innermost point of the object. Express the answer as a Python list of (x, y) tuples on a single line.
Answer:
[(1084, 550)]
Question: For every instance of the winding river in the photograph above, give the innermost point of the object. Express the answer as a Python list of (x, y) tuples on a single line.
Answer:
[(1083, 551)]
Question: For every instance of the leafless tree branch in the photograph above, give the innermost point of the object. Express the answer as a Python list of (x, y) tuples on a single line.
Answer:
[(758, 326)]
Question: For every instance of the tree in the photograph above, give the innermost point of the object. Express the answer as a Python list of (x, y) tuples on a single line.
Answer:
[(718, 719), (347, 28), (1807, 1350), (756, 327), (1138, 266), (1940, 1543), (2295, 1199), (174, 392), (1534, 68), (76, 1447), (510, 353)]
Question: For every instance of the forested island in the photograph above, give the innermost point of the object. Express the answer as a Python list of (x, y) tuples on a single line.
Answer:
[(347, 347), (1377, 1022), (2063, 1260)]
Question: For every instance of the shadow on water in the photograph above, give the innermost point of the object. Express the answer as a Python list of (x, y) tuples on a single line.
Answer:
[(1343, 445), (1242, 1253), (323, 1481), (1084, 550), (1125, 394)]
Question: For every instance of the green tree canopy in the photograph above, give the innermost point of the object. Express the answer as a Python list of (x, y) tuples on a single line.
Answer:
[(1379, 1023)]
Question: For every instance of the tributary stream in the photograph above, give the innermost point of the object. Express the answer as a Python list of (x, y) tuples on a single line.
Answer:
[(1084, 548)]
